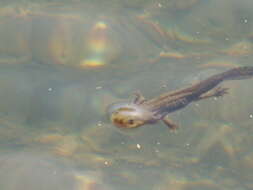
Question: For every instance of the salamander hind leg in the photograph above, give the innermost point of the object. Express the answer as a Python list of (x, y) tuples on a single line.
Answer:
[(217, 92), (170, 123)]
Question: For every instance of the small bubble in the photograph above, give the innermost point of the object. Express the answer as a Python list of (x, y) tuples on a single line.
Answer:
[(251, 116), (245, 20), (99, 124), (164, 86), (106, 163), (49, 89), (98, 87), (159, 5), (158, 143), (138, 146)]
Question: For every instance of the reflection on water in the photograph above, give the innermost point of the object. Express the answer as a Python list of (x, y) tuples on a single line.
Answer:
[(62, 63)]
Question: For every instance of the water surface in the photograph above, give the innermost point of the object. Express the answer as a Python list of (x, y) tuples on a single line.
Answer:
[(62, 63)]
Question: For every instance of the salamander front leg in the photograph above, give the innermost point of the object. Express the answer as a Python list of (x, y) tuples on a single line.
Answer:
[(170, 123), (139, 98)]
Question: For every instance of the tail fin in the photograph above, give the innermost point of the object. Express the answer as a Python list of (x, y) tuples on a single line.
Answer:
[(238, 73)]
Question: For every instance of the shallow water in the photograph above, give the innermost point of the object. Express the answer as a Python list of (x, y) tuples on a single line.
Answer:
[(62, 64)]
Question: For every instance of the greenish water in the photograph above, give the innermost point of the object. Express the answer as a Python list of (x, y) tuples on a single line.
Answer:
[(62, 63)]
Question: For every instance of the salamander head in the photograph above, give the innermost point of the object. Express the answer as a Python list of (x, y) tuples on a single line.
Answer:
[(128, 115)]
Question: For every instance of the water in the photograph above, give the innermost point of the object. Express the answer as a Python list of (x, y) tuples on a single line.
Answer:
[(62, 63)]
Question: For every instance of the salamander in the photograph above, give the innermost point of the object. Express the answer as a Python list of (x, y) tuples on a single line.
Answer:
[(141, 111)]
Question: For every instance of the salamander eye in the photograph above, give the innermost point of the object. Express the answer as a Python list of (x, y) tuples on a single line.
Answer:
[(131, 121)]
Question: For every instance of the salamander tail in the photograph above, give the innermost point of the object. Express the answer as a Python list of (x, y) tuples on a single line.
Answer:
[(238, 73)]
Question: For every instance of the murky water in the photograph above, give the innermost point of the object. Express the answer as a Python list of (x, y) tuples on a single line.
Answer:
[(62, 63)]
